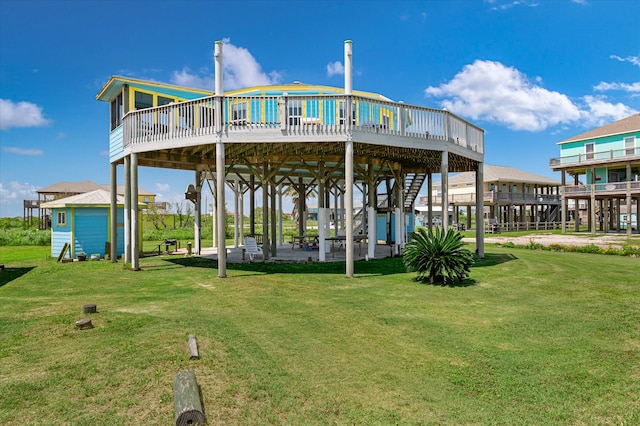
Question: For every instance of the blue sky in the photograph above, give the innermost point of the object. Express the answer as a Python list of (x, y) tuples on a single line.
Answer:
[(530, 72)]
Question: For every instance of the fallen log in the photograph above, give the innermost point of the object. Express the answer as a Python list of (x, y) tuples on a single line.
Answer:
[(193, 347), (186, 394)]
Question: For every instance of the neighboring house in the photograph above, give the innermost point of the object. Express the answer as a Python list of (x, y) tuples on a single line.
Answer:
[(66, 189), (82, 222), (603, 166), (514, 198)]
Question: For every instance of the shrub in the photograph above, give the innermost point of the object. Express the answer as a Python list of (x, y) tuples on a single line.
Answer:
[(438, 256)]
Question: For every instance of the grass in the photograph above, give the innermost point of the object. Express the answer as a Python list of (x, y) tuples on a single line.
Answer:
[(532, 337)]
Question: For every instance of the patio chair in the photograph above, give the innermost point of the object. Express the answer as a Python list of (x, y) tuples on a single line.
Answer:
[(251, 247)]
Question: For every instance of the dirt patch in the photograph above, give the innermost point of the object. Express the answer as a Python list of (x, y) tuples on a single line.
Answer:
[(603, 241)]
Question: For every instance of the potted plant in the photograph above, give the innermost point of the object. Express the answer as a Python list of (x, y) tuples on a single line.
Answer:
[(82, 256)]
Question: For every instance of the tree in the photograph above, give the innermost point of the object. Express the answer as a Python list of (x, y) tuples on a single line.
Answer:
[(438, 256)]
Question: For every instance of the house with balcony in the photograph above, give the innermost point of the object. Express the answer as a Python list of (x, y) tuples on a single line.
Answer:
[(312, 138), (601, 169), (513, 199)]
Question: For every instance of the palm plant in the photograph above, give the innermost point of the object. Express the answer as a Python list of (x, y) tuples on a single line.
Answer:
[(438, 256)]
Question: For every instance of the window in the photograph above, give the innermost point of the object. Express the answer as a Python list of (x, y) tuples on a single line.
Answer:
[(61, 219), (117, 111), (342, 115), (239, 113), (143, 100), (630, 145), (164, 101), (589, 149), (295, 112)]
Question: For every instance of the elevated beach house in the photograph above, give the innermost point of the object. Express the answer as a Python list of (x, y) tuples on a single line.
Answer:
[(601, 171), (302, 136), (513, 199)]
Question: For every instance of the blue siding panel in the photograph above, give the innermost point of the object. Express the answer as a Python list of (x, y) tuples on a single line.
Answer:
[(91, 230), (58, 240), (116, 144)]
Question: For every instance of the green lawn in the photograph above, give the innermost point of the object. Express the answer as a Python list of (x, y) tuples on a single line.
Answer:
[(533, 337)]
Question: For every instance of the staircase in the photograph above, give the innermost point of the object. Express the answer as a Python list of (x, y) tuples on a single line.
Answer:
[(413, 184)]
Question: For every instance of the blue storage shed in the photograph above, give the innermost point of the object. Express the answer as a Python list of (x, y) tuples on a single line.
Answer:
[(82, 222)]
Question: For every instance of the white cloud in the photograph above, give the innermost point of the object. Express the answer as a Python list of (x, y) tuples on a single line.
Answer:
[(598, 112), (187, 79), (335, 68), (504, 5), (163, 187), (20, 114), (635, 60), (240, 70), (579, 1), (12, 195), (22, 151), (604, 86), (487, 90)]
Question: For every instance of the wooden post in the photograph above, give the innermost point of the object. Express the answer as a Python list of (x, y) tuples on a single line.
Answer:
[(193, 346), (186, 394)]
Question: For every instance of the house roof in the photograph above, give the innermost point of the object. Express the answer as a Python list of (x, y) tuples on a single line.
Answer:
[(82, 187), (96, 198), (503, 174), (626, 125), (69, 188)]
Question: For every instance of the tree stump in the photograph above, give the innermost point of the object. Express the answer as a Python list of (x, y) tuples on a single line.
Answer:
[(186, 394), (193, 347), (89, 309), (84, 323)]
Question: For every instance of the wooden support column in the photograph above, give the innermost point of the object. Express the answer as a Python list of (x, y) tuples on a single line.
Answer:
[(348, 175), (220, 209), (564, 203), (135, 229), (265, 211), (241, 210), (629, 201), (197, 214), (280, 214), (444, 171), (272, 210), (302, 193), (221, 219), (322, 225), (480, 211), (113, 215), (372, 207), (594, 213), (430, 200), (252, 205), (127, 209)]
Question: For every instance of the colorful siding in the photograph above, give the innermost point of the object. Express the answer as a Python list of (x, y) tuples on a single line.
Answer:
[(116, 145), (90, 230), (604, 144)]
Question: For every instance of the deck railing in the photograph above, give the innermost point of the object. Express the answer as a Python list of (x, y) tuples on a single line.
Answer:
[(596, 157), (494, 197), (320, 114), (602, 188)]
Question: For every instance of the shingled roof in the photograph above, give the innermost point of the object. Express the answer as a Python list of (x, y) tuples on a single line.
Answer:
[(81, 188), (502, 174), (97, 198), (626, 125)]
